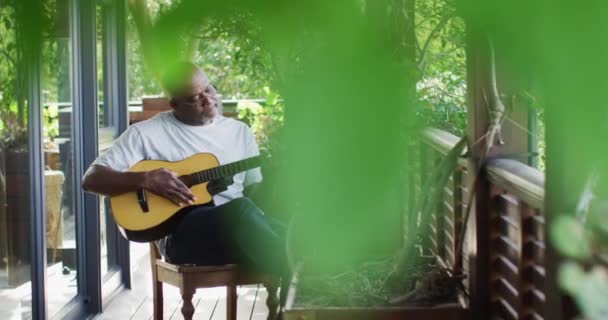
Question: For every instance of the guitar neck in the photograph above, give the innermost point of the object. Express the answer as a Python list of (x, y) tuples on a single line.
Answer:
[(225, 170)]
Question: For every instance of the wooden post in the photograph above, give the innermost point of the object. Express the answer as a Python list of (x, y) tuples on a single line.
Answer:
[(515, 134), (478, 236)]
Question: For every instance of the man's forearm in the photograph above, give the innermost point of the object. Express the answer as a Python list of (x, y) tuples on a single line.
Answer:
[(108, 182)]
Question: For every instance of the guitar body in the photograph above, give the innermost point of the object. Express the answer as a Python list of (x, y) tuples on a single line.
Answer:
[(158, 217)]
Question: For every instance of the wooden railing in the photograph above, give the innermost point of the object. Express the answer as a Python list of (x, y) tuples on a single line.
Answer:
[(150, 106), (447, 222), (517, 235), (516, 230)]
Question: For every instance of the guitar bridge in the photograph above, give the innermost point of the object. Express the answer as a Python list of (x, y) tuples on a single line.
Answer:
[(143, 200)]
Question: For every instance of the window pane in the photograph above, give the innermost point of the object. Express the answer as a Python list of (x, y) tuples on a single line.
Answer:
[(58, 152), (107, 133), (15, 242)]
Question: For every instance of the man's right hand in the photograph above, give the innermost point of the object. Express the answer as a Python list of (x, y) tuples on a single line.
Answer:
[(166, 183)]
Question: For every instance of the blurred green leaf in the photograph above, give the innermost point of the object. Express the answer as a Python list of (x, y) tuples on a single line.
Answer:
[(597, 219), (570, 237), (592, 293), (570, 276)]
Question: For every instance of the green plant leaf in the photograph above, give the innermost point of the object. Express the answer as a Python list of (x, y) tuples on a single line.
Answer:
[(570, 277), (570, 237), (597, 219), (592, 293)]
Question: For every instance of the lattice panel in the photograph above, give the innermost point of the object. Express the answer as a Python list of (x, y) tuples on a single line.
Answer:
[(517, 250)]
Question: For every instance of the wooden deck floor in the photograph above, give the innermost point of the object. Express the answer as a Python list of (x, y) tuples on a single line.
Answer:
[(210, 303)]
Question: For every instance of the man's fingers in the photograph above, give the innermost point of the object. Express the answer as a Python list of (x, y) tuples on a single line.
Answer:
[(174, 197), (166, 183), (178, 195), (180, 184), (184, 190), (180, 198), (187, 193), (185, 196)]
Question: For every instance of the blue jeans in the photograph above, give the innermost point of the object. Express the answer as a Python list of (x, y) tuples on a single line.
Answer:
[(235, 232)]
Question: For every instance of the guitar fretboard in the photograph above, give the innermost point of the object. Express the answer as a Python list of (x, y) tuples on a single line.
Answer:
[(225, 170)]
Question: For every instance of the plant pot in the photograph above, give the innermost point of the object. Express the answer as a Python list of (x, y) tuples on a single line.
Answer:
[(451, 311), (456, 310)]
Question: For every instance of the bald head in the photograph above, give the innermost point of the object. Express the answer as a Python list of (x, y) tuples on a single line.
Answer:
[(183, 79), (193, 98)]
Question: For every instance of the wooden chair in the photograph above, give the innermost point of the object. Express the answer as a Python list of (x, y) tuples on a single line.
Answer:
[(188, 278)]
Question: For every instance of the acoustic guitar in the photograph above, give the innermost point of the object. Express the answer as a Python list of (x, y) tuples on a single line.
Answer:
[(144, 216)]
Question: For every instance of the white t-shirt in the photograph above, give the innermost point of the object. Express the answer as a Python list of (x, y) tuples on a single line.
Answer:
[(163, 137)]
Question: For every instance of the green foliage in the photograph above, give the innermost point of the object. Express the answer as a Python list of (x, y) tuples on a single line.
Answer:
[(432, 193), (235, 61), (264, 119), (588, 287), (13, 82), (441, 63), (8, 61), (50, 115), (226, 49), (570, 237), (13, 131), (231, 52), (363, 286), (14, 135), (583, 240), (141, 81), (441, 102), (55, 83)]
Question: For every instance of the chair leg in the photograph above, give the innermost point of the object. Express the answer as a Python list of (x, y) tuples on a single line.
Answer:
[(231, 297), (187, 307), (271, 301), (157, 297), (157, 286)]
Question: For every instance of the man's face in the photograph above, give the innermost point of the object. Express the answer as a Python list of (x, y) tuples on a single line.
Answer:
[(197, 104)]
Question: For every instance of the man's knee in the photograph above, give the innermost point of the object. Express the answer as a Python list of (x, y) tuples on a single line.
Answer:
[(239, 208)]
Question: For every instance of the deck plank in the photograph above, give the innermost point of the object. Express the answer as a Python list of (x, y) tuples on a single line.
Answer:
[(130, 304), (247, 296), (260, 311), (208, 302), (144, 312)]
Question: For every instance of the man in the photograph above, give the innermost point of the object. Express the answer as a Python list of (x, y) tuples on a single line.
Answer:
[(234, 230)]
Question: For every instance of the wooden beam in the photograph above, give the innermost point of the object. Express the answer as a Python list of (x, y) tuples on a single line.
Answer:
[(478, 237), (515, 148)]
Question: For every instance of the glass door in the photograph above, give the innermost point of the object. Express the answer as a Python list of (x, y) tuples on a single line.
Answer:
[(61, 223), (107, 131), (15, 215)]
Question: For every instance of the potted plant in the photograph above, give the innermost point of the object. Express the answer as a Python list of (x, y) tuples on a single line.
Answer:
[(405, 286), (266, 122), (360, 293)]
